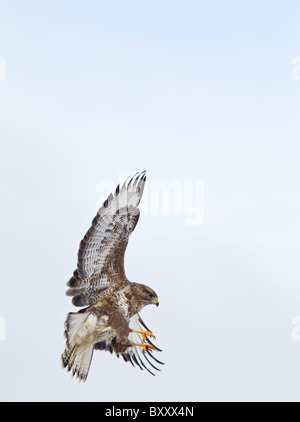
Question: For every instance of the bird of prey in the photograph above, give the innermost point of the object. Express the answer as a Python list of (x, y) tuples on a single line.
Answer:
[(110, 318)]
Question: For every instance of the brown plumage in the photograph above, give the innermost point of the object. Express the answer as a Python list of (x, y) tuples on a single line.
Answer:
[(111, 319)]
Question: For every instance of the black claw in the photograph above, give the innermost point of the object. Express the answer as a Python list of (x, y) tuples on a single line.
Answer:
[(156, 348)]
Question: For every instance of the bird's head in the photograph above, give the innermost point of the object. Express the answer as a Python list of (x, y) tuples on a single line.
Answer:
[(147, 295)]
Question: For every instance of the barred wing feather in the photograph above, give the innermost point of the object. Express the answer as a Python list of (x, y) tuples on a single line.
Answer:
[(101, 251)]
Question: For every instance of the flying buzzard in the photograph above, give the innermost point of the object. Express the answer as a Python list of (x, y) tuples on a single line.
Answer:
[(110, 321)]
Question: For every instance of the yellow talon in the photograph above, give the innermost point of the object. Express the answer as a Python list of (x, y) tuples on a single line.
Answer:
[(144, 333), (144, 346)]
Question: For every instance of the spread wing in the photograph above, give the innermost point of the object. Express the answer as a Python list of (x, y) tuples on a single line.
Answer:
[(101, 251), (135, 355)]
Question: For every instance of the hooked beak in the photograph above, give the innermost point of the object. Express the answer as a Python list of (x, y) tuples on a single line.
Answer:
[(155, 301)]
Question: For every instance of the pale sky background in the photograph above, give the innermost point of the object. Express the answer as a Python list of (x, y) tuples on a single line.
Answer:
[(189, 90)]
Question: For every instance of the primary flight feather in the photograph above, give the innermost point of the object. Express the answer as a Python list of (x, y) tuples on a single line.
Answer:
[(111, 319)]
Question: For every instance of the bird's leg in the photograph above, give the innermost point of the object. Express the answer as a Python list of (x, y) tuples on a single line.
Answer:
[(145, 333), (144, 346)]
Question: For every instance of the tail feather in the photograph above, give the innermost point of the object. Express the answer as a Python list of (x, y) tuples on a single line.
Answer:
[(78, 359), (78, 353), (85, 363), (66, 357)]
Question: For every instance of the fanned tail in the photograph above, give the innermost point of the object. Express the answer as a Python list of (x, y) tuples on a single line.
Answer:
[(78, 359), (78, 353)]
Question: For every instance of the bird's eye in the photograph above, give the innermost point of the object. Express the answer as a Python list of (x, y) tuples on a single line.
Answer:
[(150, 295)]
